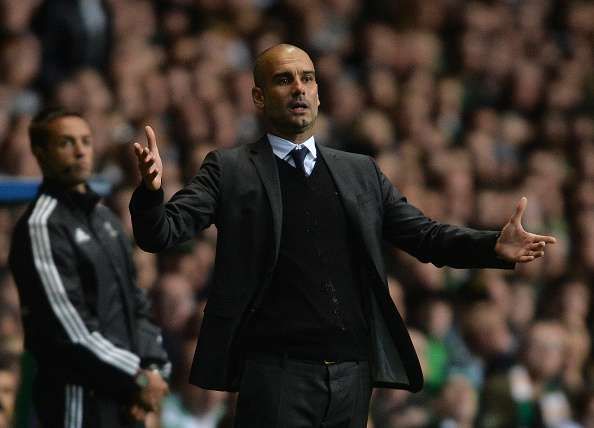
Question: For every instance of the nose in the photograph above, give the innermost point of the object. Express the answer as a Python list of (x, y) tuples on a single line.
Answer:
[(80, 148), (298, 86)]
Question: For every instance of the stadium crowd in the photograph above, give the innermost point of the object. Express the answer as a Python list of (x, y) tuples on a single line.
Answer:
[(465, 105)]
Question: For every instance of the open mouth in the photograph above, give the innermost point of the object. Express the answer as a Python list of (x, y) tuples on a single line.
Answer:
[(298, 107)]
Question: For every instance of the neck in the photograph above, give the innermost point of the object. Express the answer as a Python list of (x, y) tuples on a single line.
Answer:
[(295, 138), (69, 187)]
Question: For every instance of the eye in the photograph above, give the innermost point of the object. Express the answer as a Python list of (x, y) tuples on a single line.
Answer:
[(283, 81), (308, 78), (64, 142)]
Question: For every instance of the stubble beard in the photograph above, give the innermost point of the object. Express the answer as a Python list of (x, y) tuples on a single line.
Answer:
[(287, 125), (301, 125)]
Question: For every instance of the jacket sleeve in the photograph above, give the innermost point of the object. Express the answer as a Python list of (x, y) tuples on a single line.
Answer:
[(406, 227), (150, 340), (158, 226), (65, 330)]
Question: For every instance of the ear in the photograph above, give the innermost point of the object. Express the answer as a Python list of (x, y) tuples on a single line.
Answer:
[(258, 98)]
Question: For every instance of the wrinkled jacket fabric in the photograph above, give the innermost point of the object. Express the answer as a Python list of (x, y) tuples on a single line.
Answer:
[(238, 190)]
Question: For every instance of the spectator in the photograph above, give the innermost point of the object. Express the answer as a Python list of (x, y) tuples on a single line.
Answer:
[(84, 38), (488, 336), (529, 393), (457, 405)]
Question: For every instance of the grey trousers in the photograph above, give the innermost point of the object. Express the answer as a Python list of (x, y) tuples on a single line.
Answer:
[(280, 392)]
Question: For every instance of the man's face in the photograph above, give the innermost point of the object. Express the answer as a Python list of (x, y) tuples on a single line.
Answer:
[(68, 154), (545, 351), (288, 97)]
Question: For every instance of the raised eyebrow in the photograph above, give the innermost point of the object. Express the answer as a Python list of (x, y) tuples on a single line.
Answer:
[(282, 74), (73, 138)]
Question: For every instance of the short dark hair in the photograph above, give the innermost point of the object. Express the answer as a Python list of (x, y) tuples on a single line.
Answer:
[(38, 129)]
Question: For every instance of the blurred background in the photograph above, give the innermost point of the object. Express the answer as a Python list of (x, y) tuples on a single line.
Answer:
[(466, 106)]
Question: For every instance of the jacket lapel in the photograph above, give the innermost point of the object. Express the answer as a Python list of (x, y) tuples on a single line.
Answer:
[(343, 181), (348, 190), (263, 158)]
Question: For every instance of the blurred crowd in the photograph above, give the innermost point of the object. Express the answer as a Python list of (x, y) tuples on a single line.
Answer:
[(465, 105)]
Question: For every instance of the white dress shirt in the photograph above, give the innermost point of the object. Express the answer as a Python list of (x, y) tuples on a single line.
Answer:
[(282, 149)]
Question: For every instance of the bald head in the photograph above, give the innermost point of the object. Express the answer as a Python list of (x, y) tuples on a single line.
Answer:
[(286, 92), (269, 56)]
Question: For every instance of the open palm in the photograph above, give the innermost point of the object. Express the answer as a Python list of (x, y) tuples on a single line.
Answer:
[(515, 244)]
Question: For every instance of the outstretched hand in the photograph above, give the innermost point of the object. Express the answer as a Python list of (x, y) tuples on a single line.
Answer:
[(518, 246), (149, 161)]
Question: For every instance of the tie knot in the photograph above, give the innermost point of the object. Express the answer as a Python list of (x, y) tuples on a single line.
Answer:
[(299, 155)]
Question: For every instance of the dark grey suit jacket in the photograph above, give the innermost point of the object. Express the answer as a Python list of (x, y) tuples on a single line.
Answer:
[(239, 191)]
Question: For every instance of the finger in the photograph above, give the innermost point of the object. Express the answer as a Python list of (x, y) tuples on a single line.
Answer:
[(151, 138), (544, 238), (145, 153), (148, 161), (139, 152), (535, 254), (146, 165), (525, 259), (520, 208), (140, 417), (137, 149), (155, 405), (138, 413), (537, 246)]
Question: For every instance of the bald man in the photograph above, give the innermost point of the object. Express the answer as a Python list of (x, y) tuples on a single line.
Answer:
[(300, 320)]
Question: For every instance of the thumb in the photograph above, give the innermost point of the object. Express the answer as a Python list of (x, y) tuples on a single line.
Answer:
[(520, 208), (152, 139)]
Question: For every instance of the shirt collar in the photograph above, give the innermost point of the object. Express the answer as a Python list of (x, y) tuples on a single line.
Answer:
[(86, 201), (282, 147)]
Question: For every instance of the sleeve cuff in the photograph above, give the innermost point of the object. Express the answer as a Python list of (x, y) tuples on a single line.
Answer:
[(498, 263), (144, 199)]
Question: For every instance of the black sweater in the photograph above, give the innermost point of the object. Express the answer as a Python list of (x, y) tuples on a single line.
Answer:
[(314, 307)]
